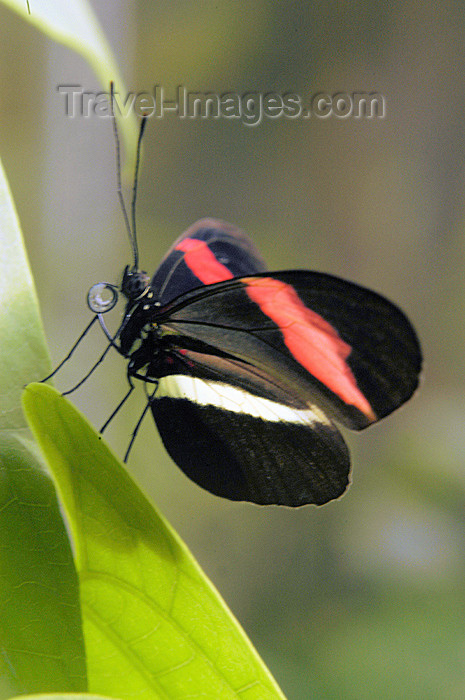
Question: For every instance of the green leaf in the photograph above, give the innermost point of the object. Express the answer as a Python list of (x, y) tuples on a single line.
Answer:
[(154, 625), (74, 24), (62, 696), (23, 354), (41, 645)]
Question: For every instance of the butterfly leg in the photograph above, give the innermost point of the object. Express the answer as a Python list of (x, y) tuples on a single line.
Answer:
[(120, 405), (68, 356), (91, 371), (150, 398)]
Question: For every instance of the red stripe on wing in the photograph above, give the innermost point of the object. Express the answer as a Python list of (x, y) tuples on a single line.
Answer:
[(313, 342), (202, 262)]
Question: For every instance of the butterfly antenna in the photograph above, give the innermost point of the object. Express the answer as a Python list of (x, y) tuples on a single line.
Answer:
[(131, 236), (134, 190)]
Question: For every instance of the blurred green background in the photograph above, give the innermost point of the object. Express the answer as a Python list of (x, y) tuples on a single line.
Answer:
[(363, 598)]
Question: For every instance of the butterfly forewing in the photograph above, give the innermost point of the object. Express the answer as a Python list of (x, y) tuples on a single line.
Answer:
[(328, 340)]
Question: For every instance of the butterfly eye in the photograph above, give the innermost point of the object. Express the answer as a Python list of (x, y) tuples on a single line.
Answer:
[(102, 297)]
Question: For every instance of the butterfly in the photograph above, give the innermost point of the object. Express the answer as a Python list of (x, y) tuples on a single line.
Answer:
[(251, 369)]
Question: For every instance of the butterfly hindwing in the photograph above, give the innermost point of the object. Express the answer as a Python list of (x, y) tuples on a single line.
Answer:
[(265, 447)]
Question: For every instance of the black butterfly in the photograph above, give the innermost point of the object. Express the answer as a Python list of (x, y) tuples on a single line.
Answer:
[(250, 368)]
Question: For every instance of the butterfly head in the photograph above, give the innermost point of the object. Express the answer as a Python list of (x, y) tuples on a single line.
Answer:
[(135, 284)]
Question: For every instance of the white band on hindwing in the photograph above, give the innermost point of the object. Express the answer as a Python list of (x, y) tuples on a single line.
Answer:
[(230, 398)]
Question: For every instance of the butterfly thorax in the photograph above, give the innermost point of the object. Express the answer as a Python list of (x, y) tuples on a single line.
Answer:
[(140, 310), (140, 327)]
